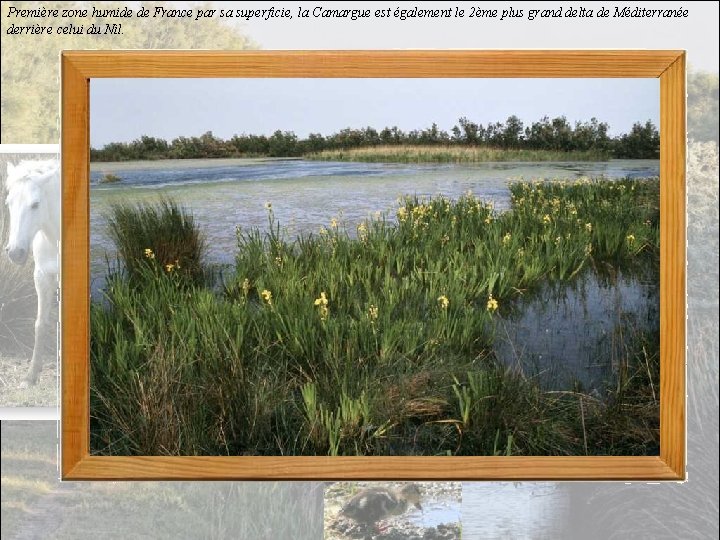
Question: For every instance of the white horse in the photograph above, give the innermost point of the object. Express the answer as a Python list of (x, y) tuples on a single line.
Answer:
[(33, 202)]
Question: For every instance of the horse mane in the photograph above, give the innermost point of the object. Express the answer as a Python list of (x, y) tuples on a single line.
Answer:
[(25, 172)]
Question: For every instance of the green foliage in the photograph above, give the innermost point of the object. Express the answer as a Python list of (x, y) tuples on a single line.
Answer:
[(643, 142), (162, 237), (344, 429), (544, 140), (377, 342)]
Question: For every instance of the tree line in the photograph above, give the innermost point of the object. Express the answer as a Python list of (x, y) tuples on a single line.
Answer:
[(557, 134)]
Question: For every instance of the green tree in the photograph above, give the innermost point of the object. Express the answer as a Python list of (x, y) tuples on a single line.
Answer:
[(468, 131), (283, 144), (539, 135), (643, 142), (591, 135), (512, 135)]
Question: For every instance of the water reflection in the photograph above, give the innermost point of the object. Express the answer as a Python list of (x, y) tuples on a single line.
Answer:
[(578, 331), (434, 514)]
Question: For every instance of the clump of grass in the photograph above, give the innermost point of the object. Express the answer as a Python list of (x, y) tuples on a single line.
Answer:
[(452, 154), (109, 178), (372, 343), (162, 236)]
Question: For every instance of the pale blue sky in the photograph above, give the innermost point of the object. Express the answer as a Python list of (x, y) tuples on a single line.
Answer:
[(124, 109)]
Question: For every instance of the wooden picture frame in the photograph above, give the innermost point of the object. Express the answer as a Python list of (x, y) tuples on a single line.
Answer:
[(78, 67)]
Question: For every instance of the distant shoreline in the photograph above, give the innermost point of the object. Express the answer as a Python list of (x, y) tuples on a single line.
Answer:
[(545, 136), (111, 166)]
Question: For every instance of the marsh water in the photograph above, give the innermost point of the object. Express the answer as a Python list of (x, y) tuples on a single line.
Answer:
[(434, 513), (572, 326), (577, 333), (498, 510)]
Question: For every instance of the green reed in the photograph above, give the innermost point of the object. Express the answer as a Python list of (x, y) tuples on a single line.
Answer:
[(452, 154)]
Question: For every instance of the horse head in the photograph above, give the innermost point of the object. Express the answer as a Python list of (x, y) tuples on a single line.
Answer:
[(32, 205)]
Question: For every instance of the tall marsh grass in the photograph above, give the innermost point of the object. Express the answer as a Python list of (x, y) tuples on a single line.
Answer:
[(162, 235), (371, 342), (452, 154)]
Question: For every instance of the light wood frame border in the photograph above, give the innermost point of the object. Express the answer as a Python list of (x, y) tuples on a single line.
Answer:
[(78, 67)]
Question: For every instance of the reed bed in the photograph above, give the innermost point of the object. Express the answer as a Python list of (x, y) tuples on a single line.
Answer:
[(452, 154)]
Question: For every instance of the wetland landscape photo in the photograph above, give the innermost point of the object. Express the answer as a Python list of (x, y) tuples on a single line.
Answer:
[(375, 267)]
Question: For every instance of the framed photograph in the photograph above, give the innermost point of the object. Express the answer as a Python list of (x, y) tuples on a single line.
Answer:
[(29, 268), (373, 265)]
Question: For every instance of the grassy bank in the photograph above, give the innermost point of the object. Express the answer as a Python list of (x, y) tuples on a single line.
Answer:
[(375, 343), (452, 154)]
